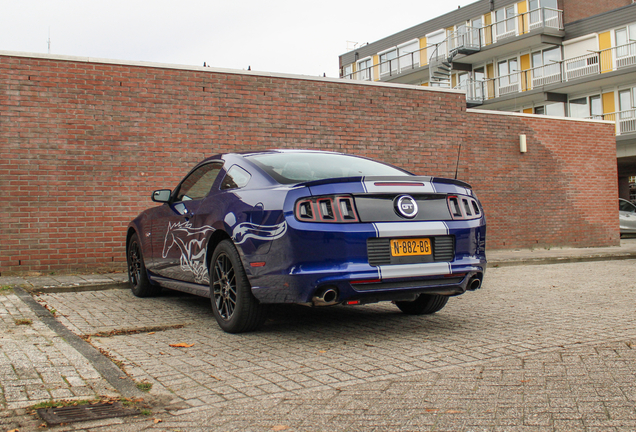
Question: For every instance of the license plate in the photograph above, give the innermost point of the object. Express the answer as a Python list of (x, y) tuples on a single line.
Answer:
[(410, 247)]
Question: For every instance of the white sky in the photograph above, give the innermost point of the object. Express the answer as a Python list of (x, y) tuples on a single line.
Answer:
[(286, 36)]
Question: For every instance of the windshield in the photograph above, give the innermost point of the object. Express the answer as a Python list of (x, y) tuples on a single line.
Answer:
[(288, 168)]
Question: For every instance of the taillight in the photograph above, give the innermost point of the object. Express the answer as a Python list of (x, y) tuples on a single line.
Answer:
[(463, 207), (332, 208)]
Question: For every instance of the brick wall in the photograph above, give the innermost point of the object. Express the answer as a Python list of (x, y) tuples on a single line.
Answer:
[(83, 144), (574, 10)]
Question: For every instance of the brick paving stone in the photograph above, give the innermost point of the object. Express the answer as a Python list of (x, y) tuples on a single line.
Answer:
[(539, 348)]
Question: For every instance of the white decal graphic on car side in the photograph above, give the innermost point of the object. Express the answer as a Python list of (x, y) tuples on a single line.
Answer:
[(247, 230), (192, 251)]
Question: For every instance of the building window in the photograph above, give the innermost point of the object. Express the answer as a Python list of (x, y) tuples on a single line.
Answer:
[(409, 55), (539, 110), (586, 107), (364, 69), (627, 116), (437, 42), (388, 62), (546, 67), (508, 76), (506, 23), (625, 48), (347, 71), (625, 103), (535, 4), (475, 32)]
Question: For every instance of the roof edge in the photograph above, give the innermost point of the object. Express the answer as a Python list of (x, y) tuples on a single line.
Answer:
[(535, 116), (221, 70)]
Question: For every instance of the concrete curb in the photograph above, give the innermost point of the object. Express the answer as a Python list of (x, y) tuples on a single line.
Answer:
[(76, 288), (115, 376), (560, 260)]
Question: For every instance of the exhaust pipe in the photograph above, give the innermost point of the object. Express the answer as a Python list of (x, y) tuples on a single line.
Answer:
[(474, 283), (325, 296)]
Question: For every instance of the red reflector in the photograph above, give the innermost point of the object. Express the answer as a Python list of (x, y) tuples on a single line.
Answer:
[(352, 302), (366, 281), (258, 264), (455, 275), (397, 184)]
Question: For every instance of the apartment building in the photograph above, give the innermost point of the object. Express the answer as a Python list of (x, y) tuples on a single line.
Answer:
[(574, 58)]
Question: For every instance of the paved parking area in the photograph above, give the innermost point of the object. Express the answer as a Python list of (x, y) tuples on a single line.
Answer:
[(539, 348)]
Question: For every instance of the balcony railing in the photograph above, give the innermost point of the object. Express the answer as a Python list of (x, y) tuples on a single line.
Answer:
[(595, 63), (471, 38), (625, 121)]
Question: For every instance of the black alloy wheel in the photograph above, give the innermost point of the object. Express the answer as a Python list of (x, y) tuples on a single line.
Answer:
[(234, 306), (224, 286), (137, 276)]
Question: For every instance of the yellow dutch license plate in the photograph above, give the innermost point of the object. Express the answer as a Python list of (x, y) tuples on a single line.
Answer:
[(410, 247)]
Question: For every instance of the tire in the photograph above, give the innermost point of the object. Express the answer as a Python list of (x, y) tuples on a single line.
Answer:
[(137, 275), (233, 304), (425, 304)]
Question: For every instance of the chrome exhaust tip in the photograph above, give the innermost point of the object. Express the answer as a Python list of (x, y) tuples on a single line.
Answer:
[(325, 297), (474, 283)]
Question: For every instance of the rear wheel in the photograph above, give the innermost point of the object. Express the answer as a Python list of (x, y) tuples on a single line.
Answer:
[(233, 304), (137, 276), (423, 305)]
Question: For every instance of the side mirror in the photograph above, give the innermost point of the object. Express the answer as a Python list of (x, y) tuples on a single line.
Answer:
[(161, 196)]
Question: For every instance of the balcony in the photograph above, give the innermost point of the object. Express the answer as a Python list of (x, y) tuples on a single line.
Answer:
[(466, 42), (557, 74)]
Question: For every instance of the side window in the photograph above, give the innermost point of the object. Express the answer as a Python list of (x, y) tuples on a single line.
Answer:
[(626, 206), (235, 178), (198, 184)]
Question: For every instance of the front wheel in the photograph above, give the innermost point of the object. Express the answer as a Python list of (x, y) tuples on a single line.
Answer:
[(425, 304), (137, 276), (233, 304)]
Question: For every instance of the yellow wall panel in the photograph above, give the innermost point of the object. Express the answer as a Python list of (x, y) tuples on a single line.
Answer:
[(423, 56), (490, 73), (608, 103), (525, 61), (527, 111), (605, 42), (522, 8), (376, 68), (487, 28), (526, 83)]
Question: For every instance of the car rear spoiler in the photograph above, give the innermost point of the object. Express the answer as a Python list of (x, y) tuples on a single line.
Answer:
[(395, 179)]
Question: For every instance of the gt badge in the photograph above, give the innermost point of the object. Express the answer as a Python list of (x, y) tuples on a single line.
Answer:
[(406, 206)]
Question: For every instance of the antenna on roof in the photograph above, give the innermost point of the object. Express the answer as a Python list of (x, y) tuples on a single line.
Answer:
[(459, 150)]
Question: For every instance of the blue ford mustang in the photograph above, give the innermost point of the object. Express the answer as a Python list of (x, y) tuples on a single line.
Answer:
[(308, 227)]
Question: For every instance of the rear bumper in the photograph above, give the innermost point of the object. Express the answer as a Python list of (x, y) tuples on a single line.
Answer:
[(367, 287), (311, 258)]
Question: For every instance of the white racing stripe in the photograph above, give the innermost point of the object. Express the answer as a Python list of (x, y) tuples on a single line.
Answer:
[(410, 229), (411, 270)]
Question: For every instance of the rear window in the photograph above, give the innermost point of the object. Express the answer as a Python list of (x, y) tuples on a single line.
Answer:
[(288, 168)]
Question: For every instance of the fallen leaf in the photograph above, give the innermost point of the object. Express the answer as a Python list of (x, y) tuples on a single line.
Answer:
[(431, 410), (216, 378), (151, 333), (181, 345), (322, 352), (158, 421), (453, 412), (280, 428)]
